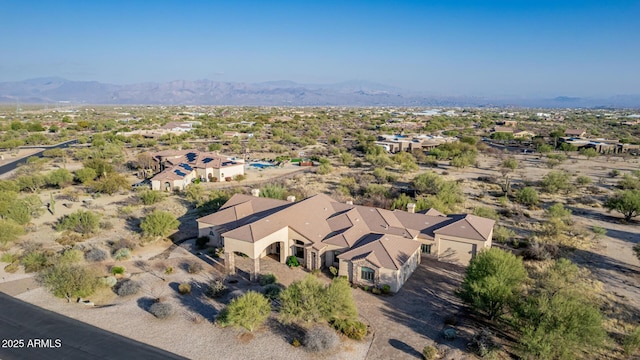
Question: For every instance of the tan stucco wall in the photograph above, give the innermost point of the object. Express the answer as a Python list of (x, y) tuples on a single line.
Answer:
[(255, 250), (479, 244), (228, 171)]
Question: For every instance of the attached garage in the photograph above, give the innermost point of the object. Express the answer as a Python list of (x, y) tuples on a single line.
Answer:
[(456, 252)]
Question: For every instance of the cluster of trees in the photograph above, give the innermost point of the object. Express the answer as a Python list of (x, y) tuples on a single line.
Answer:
[(553, 310)]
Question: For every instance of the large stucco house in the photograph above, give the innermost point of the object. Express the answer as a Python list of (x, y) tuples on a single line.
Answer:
[(370, 246), (180, 167)]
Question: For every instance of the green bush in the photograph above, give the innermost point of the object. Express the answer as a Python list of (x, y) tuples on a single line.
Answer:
[(486, 213), (83, 222), (117, 270), (555, 181), (150, 197), (352, 329), (631, 342), (266, 279), (108, 281), (272, 291), (184, 288), (9, 257), (12, 267), (10, 231), (493, 281), (292, 261), (34, 261), (503, 234), (248, 311), (386, 289), (309, 300), (67, 281), (527, 196), (159, 223)]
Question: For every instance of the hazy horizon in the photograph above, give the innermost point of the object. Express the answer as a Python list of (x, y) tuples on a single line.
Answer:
[(492, 48)]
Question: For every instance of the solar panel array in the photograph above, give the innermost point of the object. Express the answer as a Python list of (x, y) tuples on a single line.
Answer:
[(186, 166), (191, 157), (179, 173)]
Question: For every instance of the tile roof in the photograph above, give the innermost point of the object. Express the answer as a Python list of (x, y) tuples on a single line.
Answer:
[(383, 237)]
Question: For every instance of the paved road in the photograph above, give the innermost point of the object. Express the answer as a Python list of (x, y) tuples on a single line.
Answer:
[(13, 165), (23, 325)]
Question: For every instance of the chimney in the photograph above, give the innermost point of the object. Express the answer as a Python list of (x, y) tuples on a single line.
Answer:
[(291, 198), (255, 192), (349, 202), (411, 207)]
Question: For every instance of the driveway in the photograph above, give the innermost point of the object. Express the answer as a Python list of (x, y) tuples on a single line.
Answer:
[(404, 323)]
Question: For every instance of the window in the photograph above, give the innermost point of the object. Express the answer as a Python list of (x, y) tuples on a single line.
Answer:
[(425, 248), (335, 256), (367, 273)]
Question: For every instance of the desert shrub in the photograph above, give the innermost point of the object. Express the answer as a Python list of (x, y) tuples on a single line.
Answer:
[(296, 342), (126, 210), (353, 329), (555, 181), (266, 279), (503, 234), (127, 287), (320, 338), (95, 255), (106, 225), (272, 291), (122, 254), (83, 222), (598, 230), (10, 231), (274, 191), (527, 196), (631, 342), (292, 261), (68, 281), (150, 197), (583, 180), (108, 281), (247, 311), (486, 212), (123, 244), (161, 310), (482, 343), (9, 257), (110, 184), (34, 261), (194, 267), (386, 289), (309, 300), (430, 353), (159, 223), (625, 202), (69, 256), (117, 270), (614, 173), (168, 270), (70, 238), (493, 281), (202, 242), (541, 251), (216, 288), (184, 288)]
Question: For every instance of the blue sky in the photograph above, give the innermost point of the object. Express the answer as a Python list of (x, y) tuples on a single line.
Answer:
[(515, 48)]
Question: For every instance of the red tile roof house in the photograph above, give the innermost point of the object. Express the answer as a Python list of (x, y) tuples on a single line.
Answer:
[(370, 246), (181, 167)]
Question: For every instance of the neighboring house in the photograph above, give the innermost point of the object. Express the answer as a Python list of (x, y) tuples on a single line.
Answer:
[(369, 246), (503, 129), (523, 134), (181, 167), (575, 133)]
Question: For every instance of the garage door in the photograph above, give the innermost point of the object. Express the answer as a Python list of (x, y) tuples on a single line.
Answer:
[(456, 252)]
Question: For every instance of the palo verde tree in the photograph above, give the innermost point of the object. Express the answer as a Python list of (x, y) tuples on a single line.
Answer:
[(493, 281), (625, 202)]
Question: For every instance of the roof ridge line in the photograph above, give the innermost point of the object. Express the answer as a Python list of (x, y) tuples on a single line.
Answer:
[(387, 251)]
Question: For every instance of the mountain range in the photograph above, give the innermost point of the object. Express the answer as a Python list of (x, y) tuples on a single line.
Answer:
[(272, 93)]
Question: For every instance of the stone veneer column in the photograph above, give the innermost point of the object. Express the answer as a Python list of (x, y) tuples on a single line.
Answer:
[(230, 263)]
